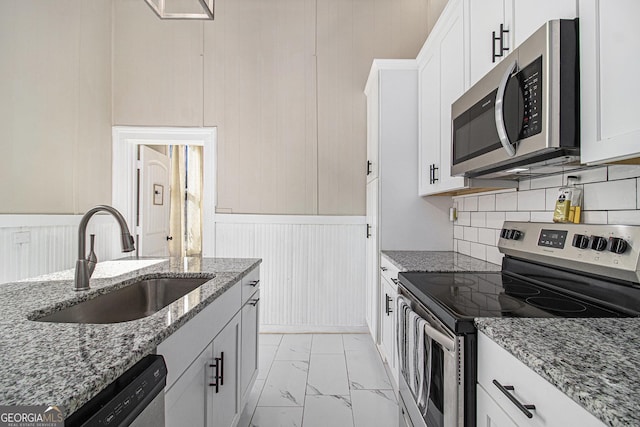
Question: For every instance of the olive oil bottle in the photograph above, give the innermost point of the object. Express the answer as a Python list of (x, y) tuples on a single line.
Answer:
[(569, 203)]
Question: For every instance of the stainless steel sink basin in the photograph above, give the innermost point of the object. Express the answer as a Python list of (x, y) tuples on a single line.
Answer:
[(135, 301)]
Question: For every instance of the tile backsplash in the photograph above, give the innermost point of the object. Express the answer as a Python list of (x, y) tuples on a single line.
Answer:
[(611, 196)]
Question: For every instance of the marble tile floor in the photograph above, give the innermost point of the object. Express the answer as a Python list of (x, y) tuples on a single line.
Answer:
[(320, 380)]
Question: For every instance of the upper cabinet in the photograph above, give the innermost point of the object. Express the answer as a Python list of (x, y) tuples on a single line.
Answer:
[(609, 70), (469, 38), (440, 82), (496, 27)]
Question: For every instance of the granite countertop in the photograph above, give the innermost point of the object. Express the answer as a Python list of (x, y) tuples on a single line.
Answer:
[(437, 261), (596, 362), (67, 364)]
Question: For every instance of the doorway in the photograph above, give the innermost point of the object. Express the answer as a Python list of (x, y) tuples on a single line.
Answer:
[(127, 142)]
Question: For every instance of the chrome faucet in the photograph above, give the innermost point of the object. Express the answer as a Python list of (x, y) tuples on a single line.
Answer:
[(84, 266)]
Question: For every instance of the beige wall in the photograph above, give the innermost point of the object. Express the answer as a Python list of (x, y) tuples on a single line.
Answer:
[(282, 81), (55, 105)]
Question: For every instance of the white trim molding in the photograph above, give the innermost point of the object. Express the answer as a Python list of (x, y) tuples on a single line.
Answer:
[(125, 155), (289, 219)]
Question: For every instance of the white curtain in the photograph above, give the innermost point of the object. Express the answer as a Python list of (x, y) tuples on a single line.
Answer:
[(186, 201)]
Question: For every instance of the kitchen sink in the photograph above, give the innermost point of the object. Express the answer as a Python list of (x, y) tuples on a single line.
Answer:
[(135, 301)]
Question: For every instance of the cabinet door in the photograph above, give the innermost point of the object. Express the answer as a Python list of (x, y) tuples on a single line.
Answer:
[(249, 349), (224, 402), (373, 260), (388, 324), (185, 401), (529, 16), (609, 87), (429, 130), (488, 413), (373, 131), (484, 18), (452, 60)]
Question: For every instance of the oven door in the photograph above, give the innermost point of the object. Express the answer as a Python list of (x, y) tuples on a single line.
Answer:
[(442, 406)]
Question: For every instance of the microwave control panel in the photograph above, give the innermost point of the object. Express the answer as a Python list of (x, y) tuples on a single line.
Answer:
[(530, 78)]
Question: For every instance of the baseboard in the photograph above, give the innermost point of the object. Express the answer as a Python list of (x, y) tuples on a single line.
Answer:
[(308, 329)]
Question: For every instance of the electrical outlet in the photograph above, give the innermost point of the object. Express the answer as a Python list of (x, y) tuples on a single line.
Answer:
[(21, 237)]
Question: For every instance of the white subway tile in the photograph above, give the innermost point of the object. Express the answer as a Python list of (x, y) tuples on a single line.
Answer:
[(551, 196), (471, 203), (547, 181), (464, 218), (458, 232), (611, 195), (594, 217), (586, 176), (471, 234), (487, 203), (497, 236), (478, 251), (524, 184), (533, 200), (623, 171), (494, 255), (495, 219), (542, 216), (518, 216), (624, 217), (507, 201), (455, 245), (478, 219), (464, 247), (487, 236)]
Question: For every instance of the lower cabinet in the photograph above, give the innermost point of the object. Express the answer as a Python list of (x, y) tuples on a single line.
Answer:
[(249, 363), (388, 326), (506, 387), (212, 360)]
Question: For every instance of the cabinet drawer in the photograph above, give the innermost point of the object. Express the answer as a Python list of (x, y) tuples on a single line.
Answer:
[(389, 271), (552, 407), (250, 284), (184, 345)]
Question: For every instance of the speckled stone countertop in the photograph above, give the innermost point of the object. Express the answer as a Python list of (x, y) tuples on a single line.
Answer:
[(437, 261), (66, 364), (596, 362)]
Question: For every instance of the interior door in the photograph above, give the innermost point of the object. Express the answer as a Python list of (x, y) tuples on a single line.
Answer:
[(153, 203)]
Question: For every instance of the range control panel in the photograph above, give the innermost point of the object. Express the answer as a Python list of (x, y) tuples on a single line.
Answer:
[(608, 250)]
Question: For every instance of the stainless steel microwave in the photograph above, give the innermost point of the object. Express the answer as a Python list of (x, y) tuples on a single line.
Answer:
[(523, 116)]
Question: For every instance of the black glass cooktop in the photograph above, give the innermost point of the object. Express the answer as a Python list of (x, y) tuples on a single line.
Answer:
[(458, 298)]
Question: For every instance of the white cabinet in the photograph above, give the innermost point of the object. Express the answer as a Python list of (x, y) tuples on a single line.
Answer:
[(249, 363), (388, 325), (497, 367), (609, 87), (223, 391), (441, 81), (496, 24), (397, 218), (212, 360)]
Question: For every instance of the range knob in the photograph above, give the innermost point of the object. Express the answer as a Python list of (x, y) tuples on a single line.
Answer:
[(504, 233), (580, 241), (514, 234), (598, 243), (617, 245)]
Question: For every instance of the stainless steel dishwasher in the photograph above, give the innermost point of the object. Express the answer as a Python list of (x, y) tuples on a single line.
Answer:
[(136, 398)]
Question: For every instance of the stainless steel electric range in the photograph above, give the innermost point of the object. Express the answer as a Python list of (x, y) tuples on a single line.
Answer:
[(549, 270)]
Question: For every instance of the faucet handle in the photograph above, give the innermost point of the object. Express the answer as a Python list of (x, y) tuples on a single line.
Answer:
[(92, 259)]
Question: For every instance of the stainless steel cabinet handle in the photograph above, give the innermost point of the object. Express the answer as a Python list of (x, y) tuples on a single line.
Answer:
[(387, 307), (499, 111), (505, 389), (254, 302), (254, 283)]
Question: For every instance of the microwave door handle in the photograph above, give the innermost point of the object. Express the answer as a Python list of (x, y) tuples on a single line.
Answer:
[(499, 109), (446, 342)]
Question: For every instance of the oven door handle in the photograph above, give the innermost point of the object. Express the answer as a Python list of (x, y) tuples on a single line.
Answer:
[(499, 111), (446, 342)]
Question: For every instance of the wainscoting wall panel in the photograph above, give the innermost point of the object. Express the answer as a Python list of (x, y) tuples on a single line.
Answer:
[(31, 245), (313, 268)]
